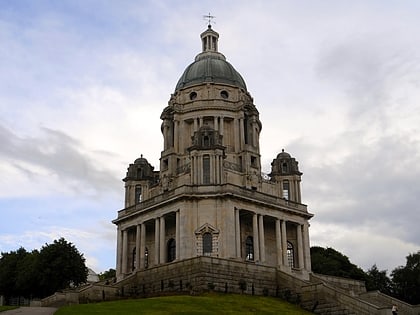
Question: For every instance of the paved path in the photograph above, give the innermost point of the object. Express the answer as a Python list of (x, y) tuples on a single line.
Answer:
[(31, 311)]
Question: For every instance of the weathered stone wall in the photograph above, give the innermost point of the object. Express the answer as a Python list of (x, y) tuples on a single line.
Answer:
[(353, 287), (202, 274)]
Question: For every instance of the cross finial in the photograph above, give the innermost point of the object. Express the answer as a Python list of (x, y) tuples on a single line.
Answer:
[(209, 17)]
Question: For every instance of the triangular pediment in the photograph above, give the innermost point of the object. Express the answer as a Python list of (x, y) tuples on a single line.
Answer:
[(207, 228)]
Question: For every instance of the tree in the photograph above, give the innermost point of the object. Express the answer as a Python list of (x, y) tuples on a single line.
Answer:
[(40, 273), (9, 271), (28, 277), (328, 261), (107, 275), (60, 266), (378, 280), (406, 280)]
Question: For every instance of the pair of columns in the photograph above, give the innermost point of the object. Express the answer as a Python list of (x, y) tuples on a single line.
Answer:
[(215, 168), (140, 247), (199, 122), (302, 232)]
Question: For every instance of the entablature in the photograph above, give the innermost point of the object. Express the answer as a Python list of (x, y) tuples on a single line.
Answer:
[(190, 192)]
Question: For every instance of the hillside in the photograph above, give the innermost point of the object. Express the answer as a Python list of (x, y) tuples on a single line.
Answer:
[(204, 304)]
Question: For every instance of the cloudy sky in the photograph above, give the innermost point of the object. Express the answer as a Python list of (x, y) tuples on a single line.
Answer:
[(337, 85)]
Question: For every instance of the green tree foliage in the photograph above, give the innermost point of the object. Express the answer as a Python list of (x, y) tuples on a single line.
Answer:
[(378, 280), (9, 271), (28, 275), (107, 275), (406, 280), (328, 261), (61, 265), (41, 273)]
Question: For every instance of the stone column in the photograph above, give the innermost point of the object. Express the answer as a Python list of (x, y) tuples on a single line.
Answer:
[(195, 125), (216, 125), (142, 244), (119, 252), (241, 132), (306, 246), (176, 138), (237, 233), (124, 251), (261, 237), (177, 235), (278, 243), (127, 195), (284, 242), (254, 133), (217, 169), (221, 126), (138, 239), (180, 132), (162, 244), (157, 234), (256, 242), (165, 135), (212, 169), (300, 246), (237, 134), (299, 197), (192, 170), (200, 170)]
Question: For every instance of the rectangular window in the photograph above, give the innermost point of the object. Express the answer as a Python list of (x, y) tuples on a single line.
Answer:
[(254, 162), (206, 169), (165, 164), (286, 189), (138, 194)]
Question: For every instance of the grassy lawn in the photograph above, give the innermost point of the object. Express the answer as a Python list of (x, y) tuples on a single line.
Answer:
[(6, 308), (205, 304)]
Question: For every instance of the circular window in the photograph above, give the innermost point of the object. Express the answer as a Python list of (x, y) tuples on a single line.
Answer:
[(193, 96), (224, 94)]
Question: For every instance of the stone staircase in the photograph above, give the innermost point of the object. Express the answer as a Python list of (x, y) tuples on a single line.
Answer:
[(338, 296), (319, 294), (324, 307)]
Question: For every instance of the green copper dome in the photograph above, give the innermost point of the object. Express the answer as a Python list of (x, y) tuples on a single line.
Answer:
[(210, 66)]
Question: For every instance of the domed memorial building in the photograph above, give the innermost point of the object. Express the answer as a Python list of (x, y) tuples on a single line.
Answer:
[(209, 206)]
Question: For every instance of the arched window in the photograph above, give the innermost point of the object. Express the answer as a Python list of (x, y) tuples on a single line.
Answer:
[(284, 168), (290, 255), (171, 250), (249, 248), (207, 244), (133, 259), (146, 258)]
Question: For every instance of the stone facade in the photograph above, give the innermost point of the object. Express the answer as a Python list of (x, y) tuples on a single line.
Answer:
[(209, 197)]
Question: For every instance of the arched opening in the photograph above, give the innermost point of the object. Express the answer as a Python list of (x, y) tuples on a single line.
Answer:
[(290, 255), (207, 244), (171, 246), (146, 258), (133, 259), (249, 248)]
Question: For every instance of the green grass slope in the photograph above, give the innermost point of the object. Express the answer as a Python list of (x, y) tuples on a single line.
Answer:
[(204, 304)]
